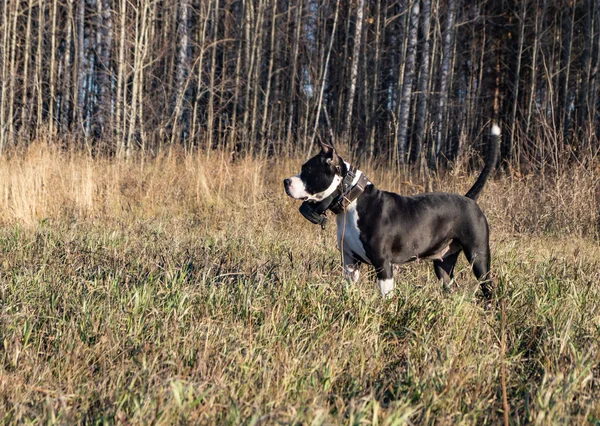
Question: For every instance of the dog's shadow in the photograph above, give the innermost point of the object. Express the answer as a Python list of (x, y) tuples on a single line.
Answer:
[(392, 382)]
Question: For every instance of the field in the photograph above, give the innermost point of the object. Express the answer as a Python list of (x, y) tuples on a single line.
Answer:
[(188, 289)]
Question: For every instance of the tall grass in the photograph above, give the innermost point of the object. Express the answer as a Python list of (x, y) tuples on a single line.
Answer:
[(44, 182), (187, 289)]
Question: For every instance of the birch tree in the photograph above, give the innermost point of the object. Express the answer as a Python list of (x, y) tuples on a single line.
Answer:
[(407, 84), (354, 69), (444, 74)]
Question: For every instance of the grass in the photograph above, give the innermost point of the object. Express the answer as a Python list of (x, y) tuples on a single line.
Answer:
[(183, 289)]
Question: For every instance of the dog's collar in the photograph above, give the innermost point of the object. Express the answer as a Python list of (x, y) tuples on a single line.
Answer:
[(349, 190)]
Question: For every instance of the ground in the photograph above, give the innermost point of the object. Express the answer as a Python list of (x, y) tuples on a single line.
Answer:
[(190, 290)]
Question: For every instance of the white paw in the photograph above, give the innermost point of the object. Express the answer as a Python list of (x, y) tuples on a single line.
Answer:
[(386, 287), (351, 274)]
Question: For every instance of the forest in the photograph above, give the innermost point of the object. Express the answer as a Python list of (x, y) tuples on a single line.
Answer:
[(403, 82)]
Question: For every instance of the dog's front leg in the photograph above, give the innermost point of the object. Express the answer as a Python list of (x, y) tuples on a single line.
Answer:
[(385, 278), (351, 272)]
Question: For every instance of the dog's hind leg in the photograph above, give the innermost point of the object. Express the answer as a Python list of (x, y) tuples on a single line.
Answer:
[(444, 269)]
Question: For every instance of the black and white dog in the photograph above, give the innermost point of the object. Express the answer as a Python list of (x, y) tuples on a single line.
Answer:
[(383, 228)]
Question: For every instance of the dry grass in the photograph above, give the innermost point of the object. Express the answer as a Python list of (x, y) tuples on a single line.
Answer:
[(187, 289)]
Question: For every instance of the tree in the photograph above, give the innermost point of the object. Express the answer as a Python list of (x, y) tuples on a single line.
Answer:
[(445, 72), (409, 70), (354, 69)]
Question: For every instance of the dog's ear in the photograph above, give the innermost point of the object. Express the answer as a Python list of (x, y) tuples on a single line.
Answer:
[(333, 159), (327, 149)]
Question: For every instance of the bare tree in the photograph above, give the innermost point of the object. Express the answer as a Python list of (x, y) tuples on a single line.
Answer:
[(13, 73), (266, 103), (539, 17), (120, 117), (294, 75), (25, 109), (354, 69), (182, 66), (565, 67), (5, 71), (81, 64), (423, 84), (409, 70), (265, 75), (213, 69), (104, 36), (444, 74), (324, 75), (511, 141)]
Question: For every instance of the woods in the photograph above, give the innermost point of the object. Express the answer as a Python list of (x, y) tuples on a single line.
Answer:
[(409, 82)]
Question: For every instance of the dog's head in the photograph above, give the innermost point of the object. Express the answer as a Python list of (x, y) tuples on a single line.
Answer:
[(319, 178)]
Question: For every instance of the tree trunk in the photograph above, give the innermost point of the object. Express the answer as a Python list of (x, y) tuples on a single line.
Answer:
[(52, 100), (236, 91), (182, 70), (582, 107), (444, 73), (121, 95), (255, 76), (324, 76), (66, 104), (25, 108), (200, 89), (5, 70), (409, 70), (337, 73), (563, 88), (423, 84), (213, 69), (267, 98), (510, 143), (81, 64), (539, 17), (249, 63), (593, 84), (353, 71), (13, 75), (294, 76), (139, 49), (104, 34)]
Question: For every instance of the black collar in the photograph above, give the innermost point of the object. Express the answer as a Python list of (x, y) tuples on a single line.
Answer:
[(347, 179), (347, 191)]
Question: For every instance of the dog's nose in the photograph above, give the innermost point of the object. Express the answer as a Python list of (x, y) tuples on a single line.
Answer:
[(287, 183)]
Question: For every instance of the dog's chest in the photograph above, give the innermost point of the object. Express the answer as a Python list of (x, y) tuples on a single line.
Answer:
[(348, 234)]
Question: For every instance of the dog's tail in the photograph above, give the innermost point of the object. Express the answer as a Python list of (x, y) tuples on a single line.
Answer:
[(490, 163)]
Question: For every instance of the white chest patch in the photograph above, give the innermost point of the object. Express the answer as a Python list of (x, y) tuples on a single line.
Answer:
[(348, 234)]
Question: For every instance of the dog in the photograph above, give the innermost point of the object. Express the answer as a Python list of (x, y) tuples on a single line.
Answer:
[(383, 229)]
